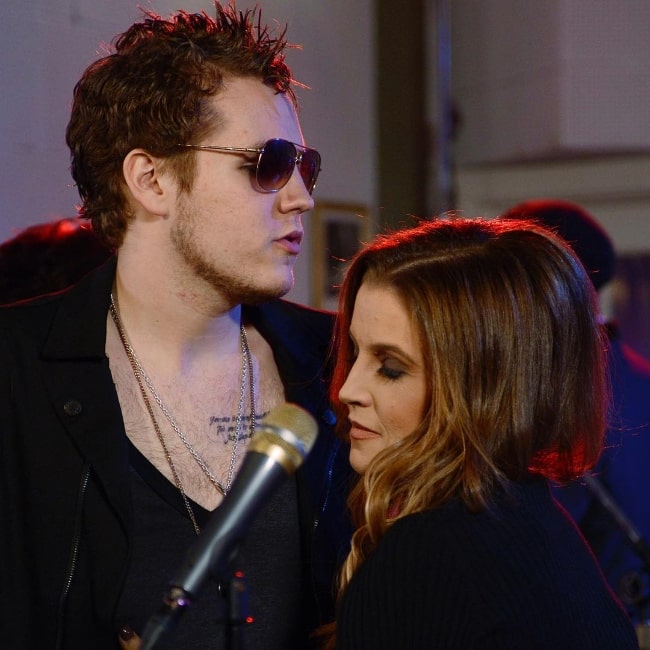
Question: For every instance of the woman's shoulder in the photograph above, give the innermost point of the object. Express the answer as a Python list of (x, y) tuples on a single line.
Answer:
[(453, 514), (514, 518), (427, 530)]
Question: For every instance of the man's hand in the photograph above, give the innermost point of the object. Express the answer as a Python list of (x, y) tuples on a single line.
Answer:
[(128, 639)]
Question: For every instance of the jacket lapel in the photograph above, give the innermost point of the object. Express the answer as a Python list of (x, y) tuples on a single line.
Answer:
[(76, 369)]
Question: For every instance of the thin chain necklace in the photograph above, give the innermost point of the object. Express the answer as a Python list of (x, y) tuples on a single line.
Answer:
[(143, 379)]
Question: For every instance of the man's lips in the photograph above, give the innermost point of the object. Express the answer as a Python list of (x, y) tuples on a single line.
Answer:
[(359, 432), (291, 242)]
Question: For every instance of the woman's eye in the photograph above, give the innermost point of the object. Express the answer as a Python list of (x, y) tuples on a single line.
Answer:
[(390, 372)]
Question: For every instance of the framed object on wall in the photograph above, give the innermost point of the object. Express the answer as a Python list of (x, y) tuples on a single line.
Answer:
[(338, 230)]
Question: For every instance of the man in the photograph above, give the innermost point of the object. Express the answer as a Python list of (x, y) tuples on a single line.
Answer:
[(621, 475), (128, 401)]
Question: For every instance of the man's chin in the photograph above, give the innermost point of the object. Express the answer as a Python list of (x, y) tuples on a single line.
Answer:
[(271, 291), (285, 284)]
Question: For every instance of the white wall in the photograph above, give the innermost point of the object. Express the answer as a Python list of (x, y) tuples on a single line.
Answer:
[(46, 46), (554, 97), (539, 80)]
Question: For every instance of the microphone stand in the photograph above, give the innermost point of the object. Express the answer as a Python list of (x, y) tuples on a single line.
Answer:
[(635, 585), (238, 611), (629, 529), (234, 591)]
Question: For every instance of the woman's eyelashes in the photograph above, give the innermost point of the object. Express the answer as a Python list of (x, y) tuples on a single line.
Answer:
[(390, 369)]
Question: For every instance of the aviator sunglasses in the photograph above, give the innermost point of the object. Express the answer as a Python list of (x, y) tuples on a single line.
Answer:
[(276, 162)]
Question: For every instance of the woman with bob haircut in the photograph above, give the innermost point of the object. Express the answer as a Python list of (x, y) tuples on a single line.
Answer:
[(470, 372)]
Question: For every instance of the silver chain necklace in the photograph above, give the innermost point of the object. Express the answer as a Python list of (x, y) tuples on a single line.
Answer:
[(141, 376)]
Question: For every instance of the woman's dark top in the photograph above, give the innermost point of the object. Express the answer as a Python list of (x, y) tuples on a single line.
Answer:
[(518, 577)]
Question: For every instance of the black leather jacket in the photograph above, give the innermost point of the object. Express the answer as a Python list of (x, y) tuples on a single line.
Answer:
[(64, 485)]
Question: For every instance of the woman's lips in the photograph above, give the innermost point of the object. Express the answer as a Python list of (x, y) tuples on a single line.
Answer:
[(359, 432)]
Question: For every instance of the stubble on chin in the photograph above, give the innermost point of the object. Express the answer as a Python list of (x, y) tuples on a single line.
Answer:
[(233, 286)]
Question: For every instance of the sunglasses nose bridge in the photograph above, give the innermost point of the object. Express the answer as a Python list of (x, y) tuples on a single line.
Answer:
[(297, 159), (308, 177), (312, 167)]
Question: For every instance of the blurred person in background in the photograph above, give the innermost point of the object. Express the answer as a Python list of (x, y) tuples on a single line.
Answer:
[(612, 509), (48, 257)]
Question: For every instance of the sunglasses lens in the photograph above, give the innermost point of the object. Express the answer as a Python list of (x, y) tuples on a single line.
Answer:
[(276, 164), (309, 166)]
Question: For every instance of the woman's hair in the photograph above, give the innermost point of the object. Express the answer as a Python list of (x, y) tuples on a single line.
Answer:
[(153, 92), (508, 322)]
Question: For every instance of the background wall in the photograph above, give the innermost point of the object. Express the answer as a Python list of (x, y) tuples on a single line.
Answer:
[(553, 101)]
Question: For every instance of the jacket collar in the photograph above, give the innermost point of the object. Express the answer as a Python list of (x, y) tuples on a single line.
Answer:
[(79, 325)]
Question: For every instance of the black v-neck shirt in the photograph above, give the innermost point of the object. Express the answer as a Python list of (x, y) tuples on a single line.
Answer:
[(269, 557)]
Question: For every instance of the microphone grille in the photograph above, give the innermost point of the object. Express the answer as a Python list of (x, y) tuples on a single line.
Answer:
[(294, 424), (286, 434)]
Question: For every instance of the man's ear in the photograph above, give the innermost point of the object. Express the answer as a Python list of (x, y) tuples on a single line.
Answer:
[(147, 185)]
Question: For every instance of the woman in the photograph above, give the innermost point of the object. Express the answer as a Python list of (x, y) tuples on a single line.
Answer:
[(470, 370)]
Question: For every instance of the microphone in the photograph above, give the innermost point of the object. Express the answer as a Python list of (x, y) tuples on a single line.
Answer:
[(278, 447)]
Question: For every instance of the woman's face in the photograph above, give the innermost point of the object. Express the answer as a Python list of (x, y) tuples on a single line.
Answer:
[(385, 389)]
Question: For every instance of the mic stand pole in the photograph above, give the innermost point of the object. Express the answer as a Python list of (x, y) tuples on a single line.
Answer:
[(638, 543), (177, 600), (239, 616), (633, 535)]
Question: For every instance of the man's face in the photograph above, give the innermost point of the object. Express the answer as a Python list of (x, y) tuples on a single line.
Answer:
[(241, 242)]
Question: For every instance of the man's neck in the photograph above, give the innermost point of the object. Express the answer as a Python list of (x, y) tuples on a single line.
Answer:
[(169, 326)]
